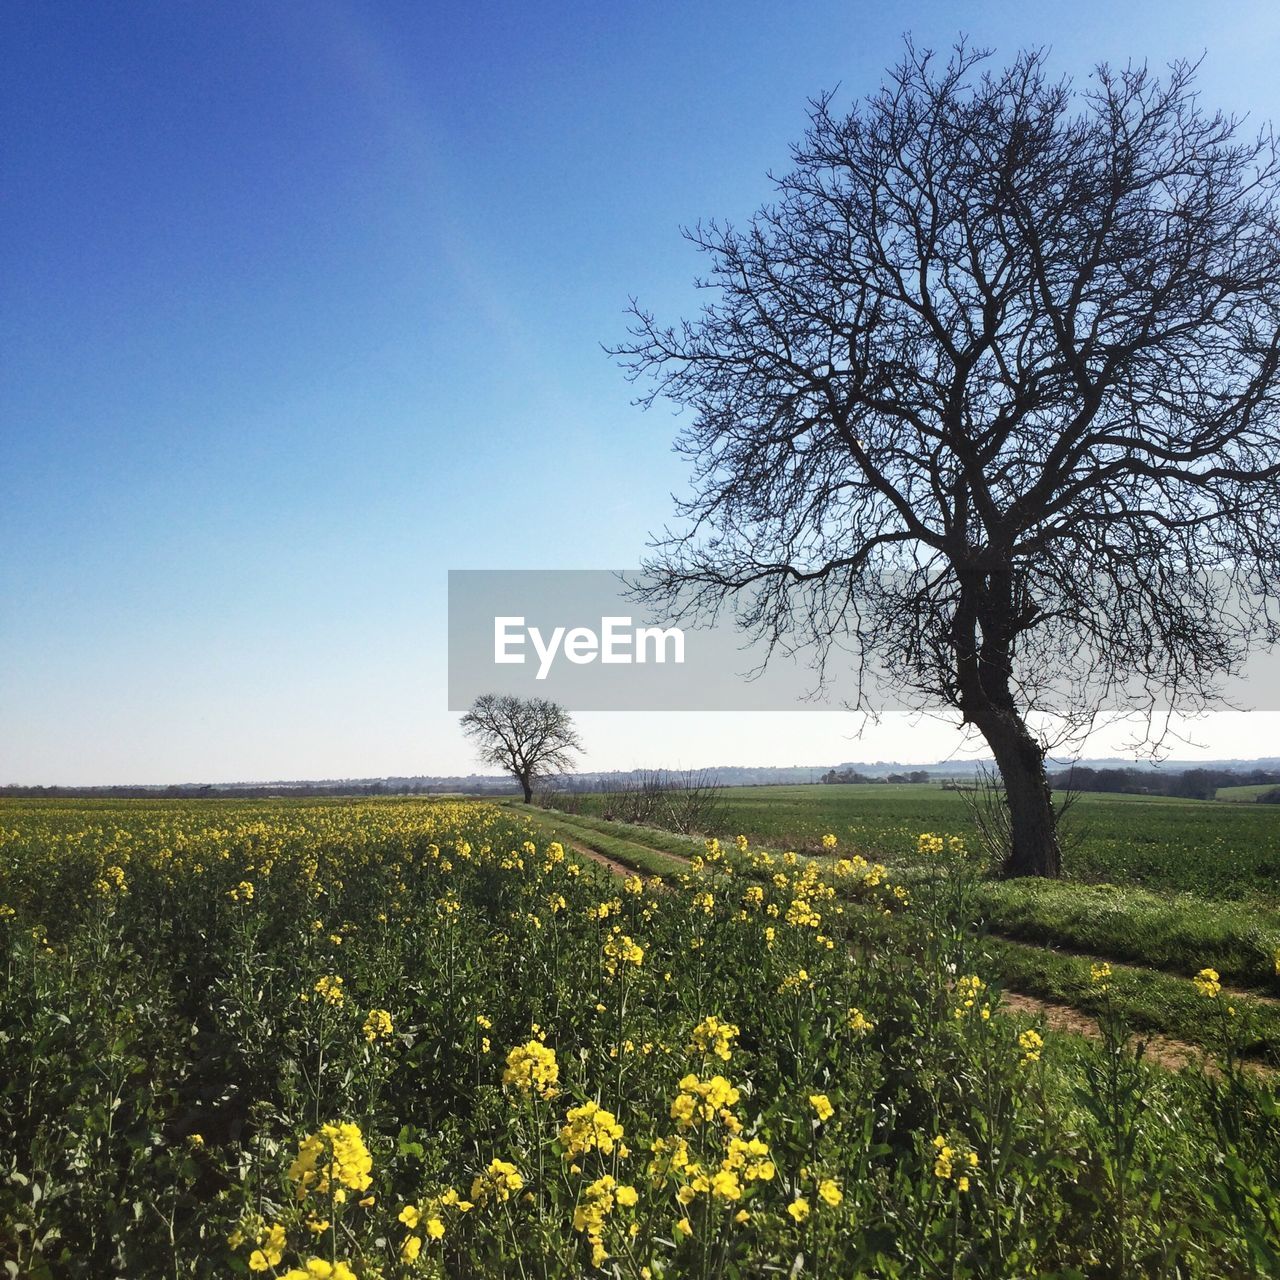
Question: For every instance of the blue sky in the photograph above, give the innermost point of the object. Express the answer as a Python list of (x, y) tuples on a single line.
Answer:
[(303, 306)]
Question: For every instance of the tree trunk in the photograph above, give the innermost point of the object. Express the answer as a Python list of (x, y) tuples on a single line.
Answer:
[(527, 787), (1034, 848), (986, 701)]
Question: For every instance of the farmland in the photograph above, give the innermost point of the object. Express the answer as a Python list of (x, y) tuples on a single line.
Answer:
[(1194, 846), (408, 1038), (1043, 938)]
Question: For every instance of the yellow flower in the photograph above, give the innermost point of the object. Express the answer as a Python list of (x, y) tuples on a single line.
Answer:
[(335, 1154), (799, 1209), (319, 1269), (377, 1025), (532, 1069), (1207, 983), (410, 1216), (700, 1100), (589, 1128), (951, 1157), (1030, 1043), (968, 989), (796, 982), (713, 1036), (858, 1023), (500, 1181), (1100, 976), (620, 950), (271, 1242), (410, 1249), (822, 1105), (830, 1192), (329, 988)]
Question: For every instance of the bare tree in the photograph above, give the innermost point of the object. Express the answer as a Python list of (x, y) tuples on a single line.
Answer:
[(687, 802), (987, 398), (530, 738)]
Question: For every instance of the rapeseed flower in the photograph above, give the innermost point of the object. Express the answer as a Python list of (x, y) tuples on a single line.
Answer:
[(500, 1181), (271, 1243), (859, 1024), (532, 1069), (377, 1026), (1207, 983), (589, 1128), (822, 1105), (1030, 1042), (712, 1035), (331, 1160)]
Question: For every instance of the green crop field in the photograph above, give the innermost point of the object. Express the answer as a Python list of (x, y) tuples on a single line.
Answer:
[(1195, 846), (1248, 793), (403, 1039)]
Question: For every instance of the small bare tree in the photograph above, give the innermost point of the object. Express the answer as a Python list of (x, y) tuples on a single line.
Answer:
[(529, 738), (686, 802), (989, 399)]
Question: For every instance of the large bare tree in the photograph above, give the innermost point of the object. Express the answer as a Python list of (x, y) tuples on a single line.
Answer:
[(529, 738), (987, 398)]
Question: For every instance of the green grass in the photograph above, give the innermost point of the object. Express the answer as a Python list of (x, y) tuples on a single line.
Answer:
[(1246, 793), (650, 837), (1180, 934), (1148, 1000), (639, 857)]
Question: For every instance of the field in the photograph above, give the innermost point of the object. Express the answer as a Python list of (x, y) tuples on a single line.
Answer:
[(1195, 846), (1153, 891), (1248, 793), (421, 1038)]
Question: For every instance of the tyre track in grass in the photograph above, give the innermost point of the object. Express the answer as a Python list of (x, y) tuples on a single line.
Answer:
[(1057, 1016)]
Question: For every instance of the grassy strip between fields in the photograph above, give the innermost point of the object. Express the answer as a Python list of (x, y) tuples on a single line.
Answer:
[(1148, 999), (646, 837), (1178, 933), (640, 858)]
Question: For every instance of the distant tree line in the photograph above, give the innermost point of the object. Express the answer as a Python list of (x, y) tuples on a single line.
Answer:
[(852, 775), (1191, 784), (265, 790)]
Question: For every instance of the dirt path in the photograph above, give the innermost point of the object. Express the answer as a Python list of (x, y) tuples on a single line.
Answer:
[(619, 869)]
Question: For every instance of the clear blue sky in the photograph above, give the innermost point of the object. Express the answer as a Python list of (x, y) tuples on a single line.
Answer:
[(302, 306)]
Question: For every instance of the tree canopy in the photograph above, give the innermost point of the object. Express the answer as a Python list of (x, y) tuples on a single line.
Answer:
[(987, 398)]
